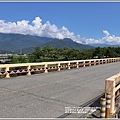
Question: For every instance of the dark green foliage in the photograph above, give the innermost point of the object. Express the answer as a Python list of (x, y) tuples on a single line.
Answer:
[(53, 54), (48, 53), (18, 59)]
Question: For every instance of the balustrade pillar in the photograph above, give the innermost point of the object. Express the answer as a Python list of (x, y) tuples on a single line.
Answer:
[(83, 63), (69, 66), (98, 62), (106, 61), (94, 62), (7, 72), (58, 67), (45, 68), (89, 63), (28, 69), (77, 64)]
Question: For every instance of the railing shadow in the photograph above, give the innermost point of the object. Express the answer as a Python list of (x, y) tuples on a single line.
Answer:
[(93, 103)]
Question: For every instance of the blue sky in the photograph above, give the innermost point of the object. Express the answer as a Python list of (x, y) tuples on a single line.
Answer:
[(91, 21)]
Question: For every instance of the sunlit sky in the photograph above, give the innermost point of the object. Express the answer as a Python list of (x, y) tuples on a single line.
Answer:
[(84, 22)]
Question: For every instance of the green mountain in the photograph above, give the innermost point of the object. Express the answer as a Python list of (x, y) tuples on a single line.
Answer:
[(66, 42), (14, 42), (18, 43)]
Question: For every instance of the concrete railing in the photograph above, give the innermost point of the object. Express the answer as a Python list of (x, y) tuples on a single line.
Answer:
[(8, 69), (112, 85)]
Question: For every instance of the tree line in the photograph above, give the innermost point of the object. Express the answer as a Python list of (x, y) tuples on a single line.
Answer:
[(47, 54)]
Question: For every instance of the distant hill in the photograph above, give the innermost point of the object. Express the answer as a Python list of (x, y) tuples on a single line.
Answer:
[(66, 42), (104, 45), (16, 43)]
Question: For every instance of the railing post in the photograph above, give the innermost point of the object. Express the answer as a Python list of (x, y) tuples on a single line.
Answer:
[(108, 104), (77, 64), (69, 66), (106, 61), (103, 107), (28, 69), (58, 67), (89, 63), (94, 62), (110, 87), (98, 62), (83, 63), (45, 68), (6, 72)]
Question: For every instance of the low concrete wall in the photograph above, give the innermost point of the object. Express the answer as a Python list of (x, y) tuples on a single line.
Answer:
[(58, 65)]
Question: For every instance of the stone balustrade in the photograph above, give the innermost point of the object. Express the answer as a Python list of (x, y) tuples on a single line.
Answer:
[(112, 85), (8, 69)]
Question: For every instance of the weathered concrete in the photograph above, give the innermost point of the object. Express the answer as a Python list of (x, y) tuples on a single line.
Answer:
[(47, 95), (44, 66), (113, 85)]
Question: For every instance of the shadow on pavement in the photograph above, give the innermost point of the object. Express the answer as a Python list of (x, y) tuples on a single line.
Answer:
[(93, 103)]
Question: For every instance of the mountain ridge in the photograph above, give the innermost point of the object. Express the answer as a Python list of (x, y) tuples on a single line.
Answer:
[(14, 42)]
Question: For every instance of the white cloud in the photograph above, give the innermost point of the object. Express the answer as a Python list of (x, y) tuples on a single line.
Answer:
[(45, 30), (108, 39), (37, 22), (106, 32), (48, 30)]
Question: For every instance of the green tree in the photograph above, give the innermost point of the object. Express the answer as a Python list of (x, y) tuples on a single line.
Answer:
[(98, 52), (18, 59), (35, 56), (110, 52)]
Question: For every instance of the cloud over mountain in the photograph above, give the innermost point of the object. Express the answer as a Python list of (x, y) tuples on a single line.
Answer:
[(39, 29), (108, 39), (51, 30)]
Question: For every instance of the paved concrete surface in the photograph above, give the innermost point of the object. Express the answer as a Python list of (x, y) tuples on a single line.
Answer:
[(47, 95)]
